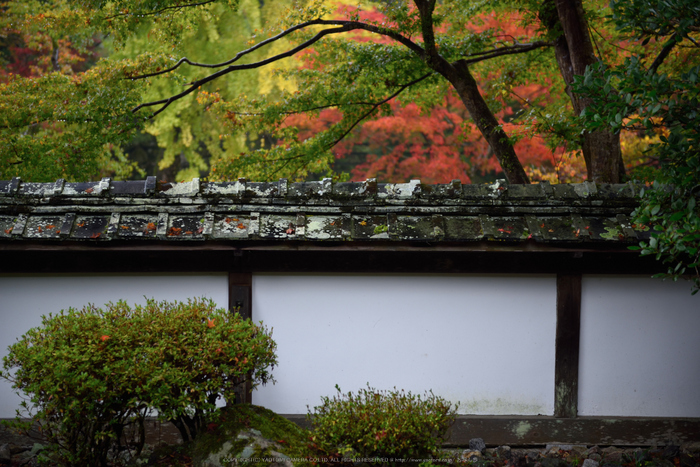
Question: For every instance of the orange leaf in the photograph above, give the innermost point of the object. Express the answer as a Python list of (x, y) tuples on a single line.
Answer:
[(210, 323)]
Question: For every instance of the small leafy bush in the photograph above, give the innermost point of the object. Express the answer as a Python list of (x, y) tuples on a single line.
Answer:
[(92, 375), (382, 424)]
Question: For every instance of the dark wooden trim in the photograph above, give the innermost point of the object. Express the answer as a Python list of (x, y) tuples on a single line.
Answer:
[(240, 300), (567, 345), (330, 245), (240, 293), (539, 430), (350, 258)]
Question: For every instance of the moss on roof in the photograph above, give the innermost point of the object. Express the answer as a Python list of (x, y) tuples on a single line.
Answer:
[(146, 210)]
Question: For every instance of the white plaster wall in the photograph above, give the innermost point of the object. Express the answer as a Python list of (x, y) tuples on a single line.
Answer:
[(640, 348), (25, 298), (487, 342)]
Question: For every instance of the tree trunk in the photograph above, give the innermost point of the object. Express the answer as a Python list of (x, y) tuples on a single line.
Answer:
[(460, 77), (467, 89), (574, 52)]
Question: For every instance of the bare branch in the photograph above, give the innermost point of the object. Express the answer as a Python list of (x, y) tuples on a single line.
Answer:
[(608, 40), (510, 50), (176, 7), (284, 33), (328, 106), (377, 104), (196, 84), (347, 25), (374, 105)]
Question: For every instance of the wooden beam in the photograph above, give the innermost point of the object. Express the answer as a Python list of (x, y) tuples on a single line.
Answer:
[(240, 295), (355, 258), (567, 345)]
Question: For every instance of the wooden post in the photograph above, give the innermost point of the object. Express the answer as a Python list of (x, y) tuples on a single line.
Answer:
[(240, 294), (567, 345), (240, 300)]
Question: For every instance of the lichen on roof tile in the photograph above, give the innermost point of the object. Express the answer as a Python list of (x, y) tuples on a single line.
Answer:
[(7, 223), (316, 211), (182, 189), (232, 226), (401, 190), (324, 228)]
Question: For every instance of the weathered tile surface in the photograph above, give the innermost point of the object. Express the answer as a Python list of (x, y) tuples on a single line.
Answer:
[(316, 211)]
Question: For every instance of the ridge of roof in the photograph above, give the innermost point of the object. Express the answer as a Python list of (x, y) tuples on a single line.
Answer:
[(319, 190)]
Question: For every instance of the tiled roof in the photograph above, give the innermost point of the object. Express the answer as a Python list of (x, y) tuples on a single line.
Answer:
[(147, 210)]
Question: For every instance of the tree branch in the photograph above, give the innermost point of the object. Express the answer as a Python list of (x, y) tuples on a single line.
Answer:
[(328, 106), (377, 104), (665, 51), (374, 105), (238, 55), (510, 50), (425, 10), (176, 7), (607, 40), (198, 83), (346, 26)]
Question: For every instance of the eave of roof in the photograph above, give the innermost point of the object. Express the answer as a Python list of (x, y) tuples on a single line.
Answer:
[(146, 211)]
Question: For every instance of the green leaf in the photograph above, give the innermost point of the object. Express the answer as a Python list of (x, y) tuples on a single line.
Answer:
[(675, 217)]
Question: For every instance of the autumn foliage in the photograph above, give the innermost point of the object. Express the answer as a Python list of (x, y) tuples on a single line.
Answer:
[(362, 101), (438, 143)]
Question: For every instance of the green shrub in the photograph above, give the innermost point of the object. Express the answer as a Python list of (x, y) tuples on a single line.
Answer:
[(382, 424), (92, 375)]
